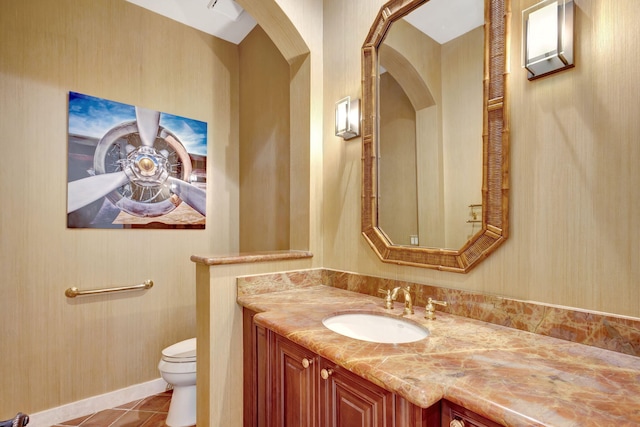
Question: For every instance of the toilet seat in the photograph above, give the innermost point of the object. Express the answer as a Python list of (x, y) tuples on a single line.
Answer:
[(176, 367), (182, 352)]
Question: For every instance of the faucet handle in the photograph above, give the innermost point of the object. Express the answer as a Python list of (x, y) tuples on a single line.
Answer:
[(388, 301), (430, 309)]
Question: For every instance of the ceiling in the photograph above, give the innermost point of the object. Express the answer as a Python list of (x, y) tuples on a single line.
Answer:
[(445, 20), (224, 19), (442, 20)]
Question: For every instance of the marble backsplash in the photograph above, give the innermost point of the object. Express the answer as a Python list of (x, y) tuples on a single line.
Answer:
[(602, 330)]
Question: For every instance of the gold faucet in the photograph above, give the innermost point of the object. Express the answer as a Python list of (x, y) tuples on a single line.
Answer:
[(408, 303), (430, 309)]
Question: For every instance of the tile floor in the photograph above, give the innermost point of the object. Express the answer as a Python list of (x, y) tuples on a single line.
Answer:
[(148, 412)]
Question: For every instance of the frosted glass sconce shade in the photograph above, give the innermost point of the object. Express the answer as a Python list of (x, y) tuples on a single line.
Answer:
[(547, 39), (348, 118)]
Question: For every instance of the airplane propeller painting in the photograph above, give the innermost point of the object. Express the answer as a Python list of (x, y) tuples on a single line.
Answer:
[(134, 167)]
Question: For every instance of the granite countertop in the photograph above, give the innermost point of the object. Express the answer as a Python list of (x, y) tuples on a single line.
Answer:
[(513, 377)]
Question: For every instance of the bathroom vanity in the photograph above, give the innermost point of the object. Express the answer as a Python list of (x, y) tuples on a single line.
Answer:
[(289, 385), (465, 373)]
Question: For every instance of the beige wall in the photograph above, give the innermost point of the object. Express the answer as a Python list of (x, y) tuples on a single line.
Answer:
[(296, 30), (57, 350), (264, 145), (574, 237)]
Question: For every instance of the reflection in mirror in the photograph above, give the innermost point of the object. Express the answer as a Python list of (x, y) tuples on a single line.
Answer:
[(430, 112), (435, 134)]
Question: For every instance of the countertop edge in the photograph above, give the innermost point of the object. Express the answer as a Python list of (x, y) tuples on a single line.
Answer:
[(250, 257)]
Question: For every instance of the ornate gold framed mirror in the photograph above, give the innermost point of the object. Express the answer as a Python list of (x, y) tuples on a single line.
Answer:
[(490, 217)]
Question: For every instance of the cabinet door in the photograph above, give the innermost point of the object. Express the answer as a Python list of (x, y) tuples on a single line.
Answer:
[(346, 400), (294, 382), (457, 416)]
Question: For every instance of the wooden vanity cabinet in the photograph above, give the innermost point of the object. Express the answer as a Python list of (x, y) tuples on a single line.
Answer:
[(287, 385)]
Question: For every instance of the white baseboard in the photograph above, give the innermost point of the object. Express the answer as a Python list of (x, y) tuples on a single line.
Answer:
[(96, 403)]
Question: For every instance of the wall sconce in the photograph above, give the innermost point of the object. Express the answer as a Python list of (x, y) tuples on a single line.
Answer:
[(547, 39), (348, 118)]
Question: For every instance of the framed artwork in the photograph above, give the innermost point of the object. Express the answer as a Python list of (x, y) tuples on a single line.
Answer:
[(131, 167)]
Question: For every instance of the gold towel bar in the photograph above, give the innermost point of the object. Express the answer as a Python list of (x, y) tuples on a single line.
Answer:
[(75, 292)]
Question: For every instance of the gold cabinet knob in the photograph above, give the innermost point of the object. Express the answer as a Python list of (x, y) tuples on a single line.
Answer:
[(326, 373), (306, 363), (457, 423)]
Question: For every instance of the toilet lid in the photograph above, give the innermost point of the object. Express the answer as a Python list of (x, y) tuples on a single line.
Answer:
[(184, 351)]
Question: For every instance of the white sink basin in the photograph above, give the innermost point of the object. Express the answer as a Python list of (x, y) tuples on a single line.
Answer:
[(376, 328)]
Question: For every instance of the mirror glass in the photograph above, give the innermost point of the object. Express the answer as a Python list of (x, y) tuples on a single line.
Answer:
[(430, 71), (435, 134)]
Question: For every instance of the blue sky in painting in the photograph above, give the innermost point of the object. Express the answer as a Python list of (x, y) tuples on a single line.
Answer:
[(93, 117)]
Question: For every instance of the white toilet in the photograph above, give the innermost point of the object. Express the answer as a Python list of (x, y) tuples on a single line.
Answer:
[(178, 368)]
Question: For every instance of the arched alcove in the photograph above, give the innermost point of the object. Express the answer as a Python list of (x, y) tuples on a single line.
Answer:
[(277, 25)]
